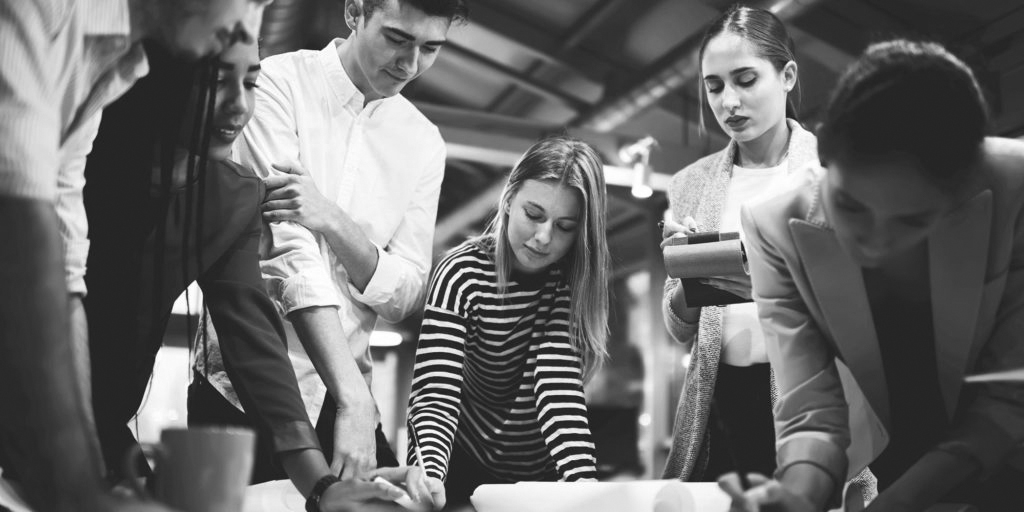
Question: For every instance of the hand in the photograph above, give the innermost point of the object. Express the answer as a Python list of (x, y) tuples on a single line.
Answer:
[(293, 197), (355, 440), (426, 491), (736, 285), (764, 494), (361, 495), (673, 229)]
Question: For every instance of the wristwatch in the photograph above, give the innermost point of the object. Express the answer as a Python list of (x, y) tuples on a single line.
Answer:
[(313, 501)]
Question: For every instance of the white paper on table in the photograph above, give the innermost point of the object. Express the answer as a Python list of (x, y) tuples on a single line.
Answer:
[(276, 496), (635, 496)]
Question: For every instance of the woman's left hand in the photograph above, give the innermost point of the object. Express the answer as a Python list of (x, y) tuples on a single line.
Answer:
[(736, 285)]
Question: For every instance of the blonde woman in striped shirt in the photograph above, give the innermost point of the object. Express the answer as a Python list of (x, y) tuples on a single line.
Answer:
[(515, 320)]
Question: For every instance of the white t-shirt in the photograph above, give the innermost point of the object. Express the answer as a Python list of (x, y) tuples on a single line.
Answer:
[(742, 338)]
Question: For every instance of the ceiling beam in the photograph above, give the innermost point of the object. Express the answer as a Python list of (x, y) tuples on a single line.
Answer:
[(518, 78), (538, 43), (669, 73)]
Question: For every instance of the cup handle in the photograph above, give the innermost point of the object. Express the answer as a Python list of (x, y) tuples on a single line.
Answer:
[(131, 459)]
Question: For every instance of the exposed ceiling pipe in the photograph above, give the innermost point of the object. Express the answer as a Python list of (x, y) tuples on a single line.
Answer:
[(669, 73)]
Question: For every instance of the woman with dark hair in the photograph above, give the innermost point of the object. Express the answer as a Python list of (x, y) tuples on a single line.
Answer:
[(515, 320), (748, 71), (898, 264), (166, 207)]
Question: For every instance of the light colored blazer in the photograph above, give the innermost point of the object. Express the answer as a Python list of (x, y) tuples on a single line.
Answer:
[(817, 319), (699, 190)]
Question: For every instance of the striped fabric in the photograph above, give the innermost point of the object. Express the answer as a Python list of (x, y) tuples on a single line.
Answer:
[(503, 364)]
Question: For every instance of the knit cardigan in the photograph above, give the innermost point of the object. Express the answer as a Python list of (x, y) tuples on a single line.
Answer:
[(699, 190)]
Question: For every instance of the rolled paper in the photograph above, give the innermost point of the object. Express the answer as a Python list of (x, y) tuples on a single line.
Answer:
[(719, 258), (636, 496)]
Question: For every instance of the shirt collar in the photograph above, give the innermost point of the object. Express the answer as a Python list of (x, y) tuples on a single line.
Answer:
[(105, 17), (345, 90)]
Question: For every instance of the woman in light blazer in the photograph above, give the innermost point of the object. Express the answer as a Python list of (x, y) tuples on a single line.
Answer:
[(893, 270)]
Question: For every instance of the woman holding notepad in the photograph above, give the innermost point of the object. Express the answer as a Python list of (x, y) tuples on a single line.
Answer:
[(901, 259), (514, 320), (748, 72)]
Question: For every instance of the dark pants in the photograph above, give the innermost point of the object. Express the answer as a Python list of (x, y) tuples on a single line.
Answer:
[(741, 422), (206, 406)]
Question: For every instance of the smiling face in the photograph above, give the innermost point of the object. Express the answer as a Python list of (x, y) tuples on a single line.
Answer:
[(390, 49), (198, 28), (745, 91), (237, 71), (883, 208), (543, 220)]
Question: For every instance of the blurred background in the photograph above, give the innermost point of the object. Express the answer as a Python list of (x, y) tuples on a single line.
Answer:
[(620, 74)]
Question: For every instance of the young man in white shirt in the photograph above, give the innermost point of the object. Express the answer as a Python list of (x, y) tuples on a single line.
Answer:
[(354, 172)]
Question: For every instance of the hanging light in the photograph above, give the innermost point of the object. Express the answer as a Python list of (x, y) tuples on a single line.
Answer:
[(638, 155)]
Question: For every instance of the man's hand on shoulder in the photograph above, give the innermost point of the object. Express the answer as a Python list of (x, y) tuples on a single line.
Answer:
[(294, 197)]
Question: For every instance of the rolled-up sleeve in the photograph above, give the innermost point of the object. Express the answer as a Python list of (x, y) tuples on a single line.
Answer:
[(811, 415), (29, 117), (398, 284), (293, 268), (72, 220)]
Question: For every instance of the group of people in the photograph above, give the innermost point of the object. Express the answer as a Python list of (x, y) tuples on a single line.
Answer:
[(886, 263)]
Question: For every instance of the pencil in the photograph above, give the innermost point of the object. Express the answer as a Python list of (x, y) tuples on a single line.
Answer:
[(416, 446)]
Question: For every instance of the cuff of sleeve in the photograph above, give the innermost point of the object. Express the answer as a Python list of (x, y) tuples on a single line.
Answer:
[(382, 284), (75, 255), (981, 441), (294, 436), (680, 330), (819, 453), (302, 291)]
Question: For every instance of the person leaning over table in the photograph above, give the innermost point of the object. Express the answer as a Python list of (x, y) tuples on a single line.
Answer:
[(194, 216), (61, 63), (353, 172), (902, 257), (515, 320)]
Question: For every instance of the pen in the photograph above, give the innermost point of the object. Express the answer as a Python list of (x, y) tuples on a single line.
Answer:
[(416, 446)]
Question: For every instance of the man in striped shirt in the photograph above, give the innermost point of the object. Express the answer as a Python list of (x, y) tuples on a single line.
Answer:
[(61, 62)]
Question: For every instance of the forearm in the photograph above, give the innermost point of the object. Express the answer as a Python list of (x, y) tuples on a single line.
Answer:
[(682, 321), (319, 330), (304, 468), (810, 482), (43, 417), (352, 248)]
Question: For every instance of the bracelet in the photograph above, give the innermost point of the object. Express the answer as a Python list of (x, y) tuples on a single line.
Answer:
[(313, 501)]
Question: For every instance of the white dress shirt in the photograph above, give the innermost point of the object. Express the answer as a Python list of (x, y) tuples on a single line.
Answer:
[(61, 62), (382, 164)]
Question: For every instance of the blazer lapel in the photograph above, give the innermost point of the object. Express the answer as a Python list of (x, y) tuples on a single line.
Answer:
[(957, 252), (840, 294)]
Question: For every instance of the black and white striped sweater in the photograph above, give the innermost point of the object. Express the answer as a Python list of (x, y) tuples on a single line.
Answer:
[(496, 373)]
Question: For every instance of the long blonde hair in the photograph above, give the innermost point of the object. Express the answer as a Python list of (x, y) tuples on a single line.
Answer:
[(574, 164)]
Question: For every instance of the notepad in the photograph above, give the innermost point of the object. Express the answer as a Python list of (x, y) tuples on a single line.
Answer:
[(634, 496)]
